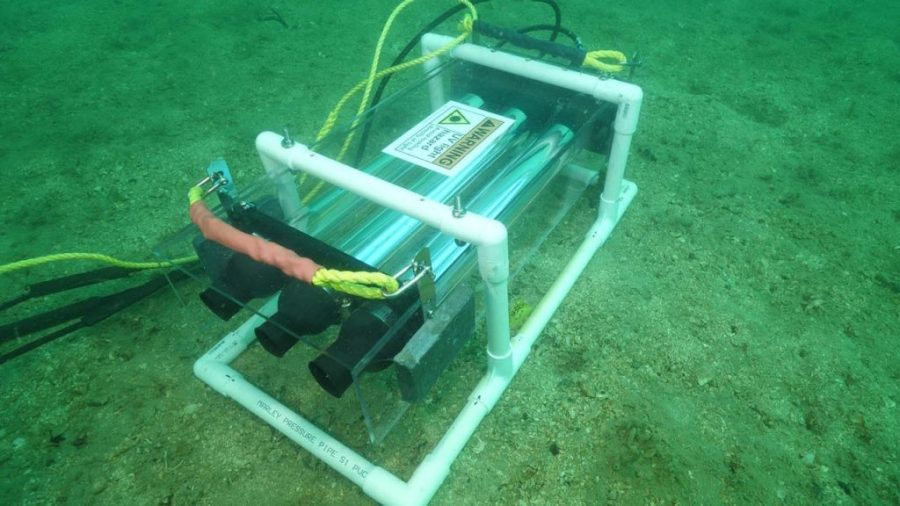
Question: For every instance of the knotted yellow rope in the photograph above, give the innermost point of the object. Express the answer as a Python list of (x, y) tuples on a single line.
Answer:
[(594, 60), (368, 285)]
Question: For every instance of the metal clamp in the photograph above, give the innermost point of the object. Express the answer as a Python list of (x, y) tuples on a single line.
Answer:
[(423, 279), (219, 175), (421, 271), (218, 180)]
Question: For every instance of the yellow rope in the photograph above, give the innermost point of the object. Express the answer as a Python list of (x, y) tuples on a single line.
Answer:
[(31, 262), (594, 60), (373, 69), (368, 285), (195, 194), (374, 75), (331, 120)]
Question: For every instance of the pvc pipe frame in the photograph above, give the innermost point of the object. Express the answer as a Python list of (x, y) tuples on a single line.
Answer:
[(505, 355)]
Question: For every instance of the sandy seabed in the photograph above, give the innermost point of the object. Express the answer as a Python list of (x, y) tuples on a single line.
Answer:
[(733, 343)]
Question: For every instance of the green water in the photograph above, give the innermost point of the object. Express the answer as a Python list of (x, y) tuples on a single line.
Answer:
[(733, 343)]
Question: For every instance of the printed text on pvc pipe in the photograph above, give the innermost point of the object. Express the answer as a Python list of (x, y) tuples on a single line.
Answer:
[(324, 447)]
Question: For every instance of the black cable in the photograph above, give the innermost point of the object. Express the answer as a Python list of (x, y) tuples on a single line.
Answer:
[(563, 30), (414, 41), (100, 309), (559, 29), (88, 312), (401, 56), (63, 283), (557, 17), (37, 343), (47, 319), (520, 39)]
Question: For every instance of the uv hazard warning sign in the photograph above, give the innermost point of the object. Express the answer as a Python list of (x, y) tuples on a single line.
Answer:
[(449, 139)]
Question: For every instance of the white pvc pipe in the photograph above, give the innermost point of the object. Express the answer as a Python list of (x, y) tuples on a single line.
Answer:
[(435, 467), (470, 227), (377, 482), (505, 356), (213, 368), (596, 237), (627, 96), (489, 236), (615, 173), (579, 174), (435, 81), (286, 185), (607, 90)]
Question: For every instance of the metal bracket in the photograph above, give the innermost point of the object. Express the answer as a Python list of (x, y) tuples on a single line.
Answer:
[(220, 176), (423, 277)]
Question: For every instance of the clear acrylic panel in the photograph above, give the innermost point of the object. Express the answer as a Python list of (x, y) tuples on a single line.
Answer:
[(529, 178)]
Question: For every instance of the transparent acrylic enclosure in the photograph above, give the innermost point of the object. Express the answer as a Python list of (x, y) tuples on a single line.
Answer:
[(529, 179)]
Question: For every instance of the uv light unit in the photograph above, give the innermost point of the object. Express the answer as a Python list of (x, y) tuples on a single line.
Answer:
[(451, 185)]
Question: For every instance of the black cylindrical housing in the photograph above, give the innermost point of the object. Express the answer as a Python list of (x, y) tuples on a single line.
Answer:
[(365, 327), (302, 310), (236, 279)]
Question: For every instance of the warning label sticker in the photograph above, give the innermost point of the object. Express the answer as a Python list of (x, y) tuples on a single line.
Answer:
[(449, 139)]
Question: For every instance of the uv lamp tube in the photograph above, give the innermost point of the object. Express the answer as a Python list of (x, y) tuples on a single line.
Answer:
[(505, 194), (350, 229), (504, 199), (497, 202), (395, 229), (332, 207)]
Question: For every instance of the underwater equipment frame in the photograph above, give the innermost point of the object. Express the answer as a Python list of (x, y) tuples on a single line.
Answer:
[(505, 354)]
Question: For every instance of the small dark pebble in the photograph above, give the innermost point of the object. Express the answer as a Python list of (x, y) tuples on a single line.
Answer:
[(56, 439), (846, 487), (554, 449), (890, 284)]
